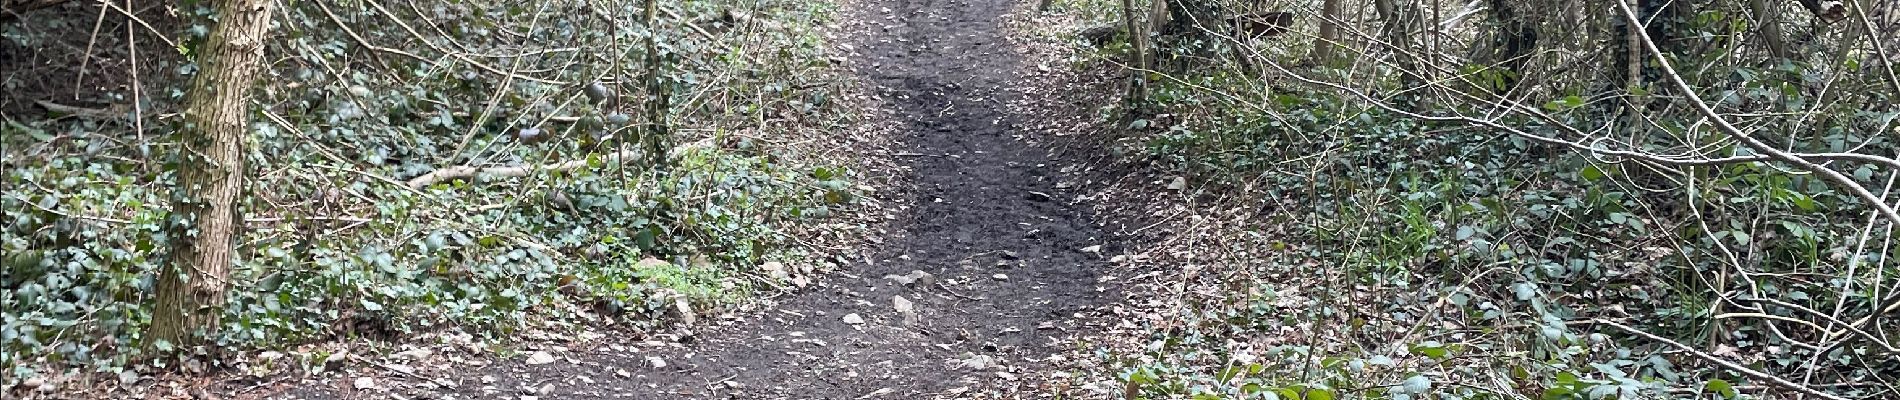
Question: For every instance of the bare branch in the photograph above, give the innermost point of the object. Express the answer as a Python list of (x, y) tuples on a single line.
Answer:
[(1688, 93)]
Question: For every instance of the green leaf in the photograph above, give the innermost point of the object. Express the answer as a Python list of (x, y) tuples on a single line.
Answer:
[(1319, 394), (1591, 173), (1720, 387), (1431, 349)]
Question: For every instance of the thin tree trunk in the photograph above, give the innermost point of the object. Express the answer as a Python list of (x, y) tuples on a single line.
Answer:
[(658, 135), (211, 173), (1399, 38), (1768, 17), (1138, 55), (1328, 39)]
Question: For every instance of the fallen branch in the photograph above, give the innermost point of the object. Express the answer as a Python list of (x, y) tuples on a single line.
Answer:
[(110, 112), (464, 172)]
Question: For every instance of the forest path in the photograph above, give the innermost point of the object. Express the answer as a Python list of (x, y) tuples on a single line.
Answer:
[(1010, 273)]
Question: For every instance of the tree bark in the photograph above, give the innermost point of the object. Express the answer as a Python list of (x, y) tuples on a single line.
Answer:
[(1328, 39), (1137, 54), (1767, 17), (1399, 40), (204, 224), (658, 135)]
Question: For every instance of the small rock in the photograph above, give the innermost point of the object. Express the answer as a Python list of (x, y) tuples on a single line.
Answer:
[(914, 278), (364, 383), (527, 397), (978, 361), (903, 305), (336, 357), (1178, 183), (656, 362), (1000, 277), (685, 310), (775, 270), (486, 379), (1096, 249), (33, 383), (1011, 255), (540, 357), (853, 319), (1036, 196), (901, 279)]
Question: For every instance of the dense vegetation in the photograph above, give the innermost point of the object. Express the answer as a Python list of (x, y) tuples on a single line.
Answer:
[(478, 166), (1520, 199)]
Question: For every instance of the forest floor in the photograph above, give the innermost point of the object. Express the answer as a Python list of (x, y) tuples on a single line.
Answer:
[(990, 274)]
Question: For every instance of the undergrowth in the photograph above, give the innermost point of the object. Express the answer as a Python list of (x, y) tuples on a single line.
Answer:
[(365, 97), (1376, 255)]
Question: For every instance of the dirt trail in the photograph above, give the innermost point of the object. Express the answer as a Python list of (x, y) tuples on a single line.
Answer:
[(1009, 263), (980, 199)]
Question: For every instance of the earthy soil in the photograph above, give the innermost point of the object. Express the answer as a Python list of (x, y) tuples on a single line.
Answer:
[(1014, 267)]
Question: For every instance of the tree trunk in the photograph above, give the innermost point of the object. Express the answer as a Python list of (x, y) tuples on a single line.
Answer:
[(1328, 39), (1515, 41), (211, 172), (658, 136), (1768, 18), (1137, 55), (1663, 23), (1399, 39)]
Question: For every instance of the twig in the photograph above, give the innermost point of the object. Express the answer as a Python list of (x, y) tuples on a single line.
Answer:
[(946, 289)]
